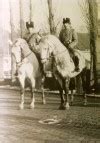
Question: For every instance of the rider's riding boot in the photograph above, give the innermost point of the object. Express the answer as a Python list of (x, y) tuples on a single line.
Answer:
[(76, 62)]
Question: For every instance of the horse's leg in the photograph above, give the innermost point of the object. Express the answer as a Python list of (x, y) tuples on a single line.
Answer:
[(72, 88), (72, 97), (42, 87), (32, 92), (62, 107), (66, 89), (22, 90), (59, 86), (83, 76)]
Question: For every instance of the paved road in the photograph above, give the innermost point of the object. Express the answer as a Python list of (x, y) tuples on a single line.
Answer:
[(79, 124)]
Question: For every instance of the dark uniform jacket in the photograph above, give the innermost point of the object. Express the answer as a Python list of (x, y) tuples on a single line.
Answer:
[(28, 36), (68, 38)]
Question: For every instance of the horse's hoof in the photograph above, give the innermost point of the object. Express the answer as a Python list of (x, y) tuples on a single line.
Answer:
[(67, 106), (62, 107), (71, 103), (21, 107), (85, 103), (44, 102), (31, 106)]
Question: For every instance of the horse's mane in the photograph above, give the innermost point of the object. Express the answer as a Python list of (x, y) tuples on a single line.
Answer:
[(52, 40), (20, 41), (61, 55), (54, 43)]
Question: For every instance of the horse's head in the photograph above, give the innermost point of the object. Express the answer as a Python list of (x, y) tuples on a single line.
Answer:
[(34, 40), (46, 50), (16, 53)]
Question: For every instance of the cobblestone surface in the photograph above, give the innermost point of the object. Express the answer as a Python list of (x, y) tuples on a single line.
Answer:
[(78, 124)]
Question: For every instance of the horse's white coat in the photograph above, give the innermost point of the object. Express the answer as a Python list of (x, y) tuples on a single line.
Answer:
[(63, 62), (27, 67)]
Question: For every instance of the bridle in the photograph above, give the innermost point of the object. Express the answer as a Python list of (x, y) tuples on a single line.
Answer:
[(18, 64), (52, 55)]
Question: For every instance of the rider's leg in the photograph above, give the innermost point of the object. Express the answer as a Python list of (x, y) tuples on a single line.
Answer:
[(76, 62)]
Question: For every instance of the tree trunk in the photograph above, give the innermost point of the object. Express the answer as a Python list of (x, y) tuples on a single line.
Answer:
[(11, 24), (51, 18), (93, 35), (11, 36), (30, 10), (21, 16)]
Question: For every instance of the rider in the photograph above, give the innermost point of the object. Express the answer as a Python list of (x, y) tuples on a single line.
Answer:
[(30, 31), (69, 38), (29, 35)]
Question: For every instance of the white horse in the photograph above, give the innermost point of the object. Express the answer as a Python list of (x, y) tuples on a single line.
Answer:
[(27, 67), (63, 66)]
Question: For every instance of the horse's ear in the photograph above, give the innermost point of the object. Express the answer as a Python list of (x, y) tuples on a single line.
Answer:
[(10, 42)]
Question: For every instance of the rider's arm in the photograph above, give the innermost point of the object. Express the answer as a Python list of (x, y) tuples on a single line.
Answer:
[(61, 35), (26, 37), (74, 40)]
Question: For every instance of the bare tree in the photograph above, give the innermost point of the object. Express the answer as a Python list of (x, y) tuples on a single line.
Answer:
[(21, 15), (31, 10), (11, 24), (51, 17), (54, 17), (93, 36), (89, 12)]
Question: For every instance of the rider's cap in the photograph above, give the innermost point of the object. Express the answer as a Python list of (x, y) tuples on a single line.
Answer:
[(66, 20), (29, 24)]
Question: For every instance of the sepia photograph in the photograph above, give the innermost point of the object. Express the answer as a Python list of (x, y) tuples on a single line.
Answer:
[(49, 71)]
